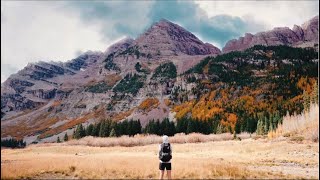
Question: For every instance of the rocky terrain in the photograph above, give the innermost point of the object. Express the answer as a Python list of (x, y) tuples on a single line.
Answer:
[(299, 36), (48, 95), (144, 78)]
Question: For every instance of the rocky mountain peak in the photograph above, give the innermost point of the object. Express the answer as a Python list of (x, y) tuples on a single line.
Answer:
[(305, 35), (120, 45), (171, 39)]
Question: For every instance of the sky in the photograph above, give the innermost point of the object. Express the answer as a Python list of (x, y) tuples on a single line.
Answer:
[(61, 30)]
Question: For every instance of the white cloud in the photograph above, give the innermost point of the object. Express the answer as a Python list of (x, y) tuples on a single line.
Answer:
[(271, 13), (33, 31)]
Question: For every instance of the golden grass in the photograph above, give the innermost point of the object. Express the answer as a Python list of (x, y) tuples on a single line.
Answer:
[(305, 125), (223, 159), (72, 123), (142, 140), (39, 124), (149, 104), (122, 115)]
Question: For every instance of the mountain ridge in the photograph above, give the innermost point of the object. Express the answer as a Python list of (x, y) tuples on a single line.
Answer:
[(45, 99), (299, 36)]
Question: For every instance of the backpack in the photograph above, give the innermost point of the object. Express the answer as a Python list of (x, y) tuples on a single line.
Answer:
[(165, 152)]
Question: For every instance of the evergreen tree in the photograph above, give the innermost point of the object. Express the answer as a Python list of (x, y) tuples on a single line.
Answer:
[(306, 101), (157, 128), (112, 133), (237, 127), (96, 129), (260, 126), (89, 130), (190, 127), (65, 138), (102, 131), (74, 133), (80, 132), (58, 140), (215, 126), (266, 125)]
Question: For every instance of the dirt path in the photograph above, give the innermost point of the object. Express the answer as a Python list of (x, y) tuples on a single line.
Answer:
[(225, 159)]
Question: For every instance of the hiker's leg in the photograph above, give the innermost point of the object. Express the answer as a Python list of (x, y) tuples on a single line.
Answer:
[(161, 174), (169, 174)]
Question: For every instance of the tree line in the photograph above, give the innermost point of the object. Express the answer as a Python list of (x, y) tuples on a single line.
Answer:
[(13, 143), (109, 128)]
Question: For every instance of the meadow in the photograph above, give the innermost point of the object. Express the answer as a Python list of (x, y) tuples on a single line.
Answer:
[(292, 151)]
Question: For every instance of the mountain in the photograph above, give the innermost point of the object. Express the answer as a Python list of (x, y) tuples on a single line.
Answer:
[(166, 72), (172, 39), (299, 36), (51, 97)]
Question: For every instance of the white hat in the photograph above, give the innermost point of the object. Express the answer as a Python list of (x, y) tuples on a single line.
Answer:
[(165, 139)]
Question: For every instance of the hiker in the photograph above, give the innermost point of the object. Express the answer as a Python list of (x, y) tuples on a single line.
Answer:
[(165, 156)]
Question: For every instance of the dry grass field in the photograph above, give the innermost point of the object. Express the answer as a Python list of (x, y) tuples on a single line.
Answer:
[(249, 158), (290, 152)]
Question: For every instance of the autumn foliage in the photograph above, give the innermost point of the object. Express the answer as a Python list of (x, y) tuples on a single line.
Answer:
[(149, 104)]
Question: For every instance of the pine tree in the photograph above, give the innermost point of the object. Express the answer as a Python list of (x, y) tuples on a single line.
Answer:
[(238, 127), (266, 125), (112, 133), (260, 127), (157, 128), (190, 127), (65, 138), (89, 130), (306, 101), (96, 129), (58, 140), (215, 124), (82, 131), (102, 131), (74, 133)]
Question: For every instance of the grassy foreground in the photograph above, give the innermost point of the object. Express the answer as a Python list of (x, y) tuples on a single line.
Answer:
[(249, 158)]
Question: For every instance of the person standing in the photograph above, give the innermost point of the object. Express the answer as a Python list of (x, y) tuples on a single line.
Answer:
[(165, 156)]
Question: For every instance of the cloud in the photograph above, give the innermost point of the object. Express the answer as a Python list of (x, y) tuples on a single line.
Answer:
[(6, 71), (270, 13), (60, 30), (116, 18), (33, 31), (132, 18)]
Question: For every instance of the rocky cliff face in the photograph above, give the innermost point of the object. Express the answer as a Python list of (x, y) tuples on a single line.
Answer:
[(305, 35), (49, 98), (172, 39), (38, 82), (93, 85)]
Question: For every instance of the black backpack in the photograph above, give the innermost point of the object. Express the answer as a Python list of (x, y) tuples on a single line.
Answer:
[(165, 152)]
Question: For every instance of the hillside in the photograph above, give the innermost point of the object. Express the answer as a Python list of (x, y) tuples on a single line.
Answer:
[(167, 72)]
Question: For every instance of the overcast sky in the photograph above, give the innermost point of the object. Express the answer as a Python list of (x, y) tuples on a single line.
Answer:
[(61, 30)]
